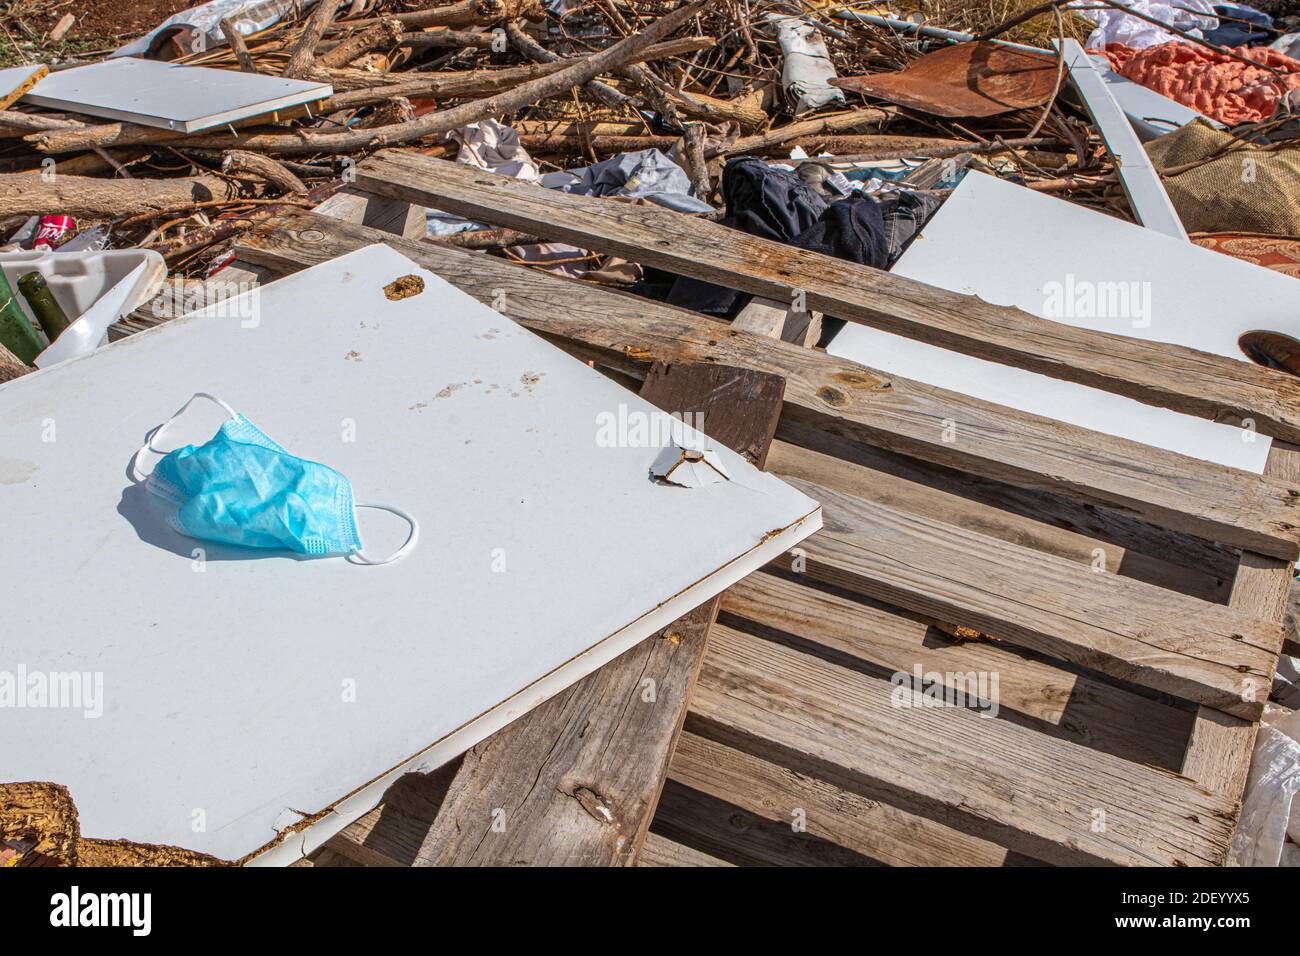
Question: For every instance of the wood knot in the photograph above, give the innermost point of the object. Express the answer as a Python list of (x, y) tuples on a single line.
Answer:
[(832, 396)]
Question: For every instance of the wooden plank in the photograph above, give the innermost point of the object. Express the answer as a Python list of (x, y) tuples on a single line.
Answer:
[(816, 810), (1214, 564), (1176, 377), (883, 640), (378, 212), (1170, 642), (661, 851), (774, 320), (1219, 752), (855, 404), (1052, 800), (575, 781)]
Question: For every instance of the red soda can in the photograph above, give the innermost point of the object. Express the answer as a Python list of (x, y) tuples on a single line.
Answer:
[(52, 231)]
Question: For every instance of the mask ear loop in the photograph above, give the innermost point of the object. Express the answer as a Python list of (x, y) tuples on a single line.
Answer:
[(136, 474), (359, 556)]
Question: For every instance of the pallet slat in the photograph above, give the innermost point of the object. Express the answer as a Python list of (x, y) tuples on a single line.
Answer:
[(1074, 707), (1135, 631), (844, 399), (1047, 798), (872, 828)]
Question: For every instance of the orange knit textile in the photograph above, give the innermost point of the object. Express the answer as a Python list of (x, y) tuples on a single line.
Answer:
[(1222, 88)]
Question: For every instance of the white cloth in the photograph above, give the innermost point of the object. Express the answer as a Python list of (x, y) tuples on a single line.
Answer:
[(490, 145), (806, 70), (204, 23), (1116, 26)]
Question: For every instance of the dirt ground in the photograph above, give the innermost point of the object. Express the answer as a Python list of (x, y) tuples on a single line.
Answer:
[(101, 25)]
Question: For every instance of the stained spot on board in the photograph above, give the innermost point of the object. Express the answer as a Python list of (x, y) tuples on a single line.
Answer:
[(418, 407), (353, 356), (449, 390), (832, 396), (15, 471), (854, 378), (530, 379), (403, 287), (490, 334)]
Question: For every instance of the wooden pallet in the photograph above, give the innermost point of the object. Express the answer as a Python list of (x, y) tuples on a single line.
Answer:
[(1104, 584)]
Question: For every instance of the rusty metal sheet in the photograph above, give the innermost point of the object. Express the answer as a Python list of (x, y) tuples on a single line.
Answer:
[(967, 79)]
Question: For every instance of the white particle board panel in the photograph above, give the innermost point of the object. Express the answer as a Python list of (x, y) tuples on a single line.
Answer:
[(170, 95), (1012, 246), (1139, 178), (13, 79), (251, 689)]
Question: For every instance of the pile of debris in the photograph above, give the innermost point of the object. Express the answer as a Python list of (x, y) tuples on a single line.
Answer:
[(1061, 162)]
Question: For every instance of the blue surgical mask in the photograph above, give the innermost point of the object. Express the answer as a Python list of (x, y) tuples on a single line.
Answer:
[(240, 487)]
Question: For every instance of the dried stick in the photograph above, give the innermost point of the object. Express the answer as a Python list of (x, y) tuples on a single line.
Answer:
[(303, 56), (237, 44), (611, 58), (384, 33), (84, 196), (829, 124), (693, 150), (238, 160), (539, 54)]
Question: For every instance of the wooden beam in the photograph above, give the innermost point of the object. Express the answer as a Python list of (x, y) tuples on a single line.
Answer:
[(1011, 785), (1175, 377), (575, 781), (841, 398), (1203, 652)]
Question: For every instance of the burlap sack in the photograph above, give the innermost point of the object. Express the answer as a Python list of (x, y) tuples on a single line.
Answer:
[(1245, 190)]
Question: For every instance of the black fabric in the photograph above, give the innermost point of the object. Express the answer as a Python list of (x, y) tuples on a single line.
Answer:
[(904, 213), (768, 202), (778, 205), (852, 229)]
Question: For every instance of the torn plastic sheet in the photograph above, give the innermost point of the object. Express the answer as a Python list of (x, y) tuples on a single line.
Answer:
[(90, 330), (1269, 808), (806, 72)]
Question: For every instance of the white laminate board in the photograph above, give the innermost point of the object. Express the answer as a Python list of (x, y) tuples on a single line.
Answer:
[(1012, 246), (251, 688), (170, 95), (15, 76), (1142, 185)]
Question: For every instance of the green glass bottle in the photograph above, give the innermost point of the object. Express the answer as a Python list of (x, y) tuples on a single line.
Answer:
[(16, 332), (48, 312)]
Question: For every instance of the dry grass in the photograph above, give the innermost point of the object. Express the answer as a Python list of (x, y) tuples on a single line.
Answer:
[(980, 16)]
